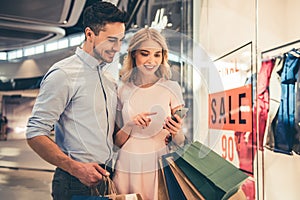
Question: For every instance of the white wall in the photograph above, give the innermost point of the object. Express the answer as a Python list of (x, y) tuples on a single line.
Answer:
[(277, 23), (226, 25)]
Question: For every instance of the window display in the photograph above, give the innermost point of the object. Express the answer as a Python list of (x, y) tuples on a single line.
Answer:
[(281, 134)]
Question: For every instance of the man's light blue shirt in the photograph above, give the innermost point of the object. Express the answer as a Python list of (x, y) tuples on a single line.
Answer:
[(71, 98)]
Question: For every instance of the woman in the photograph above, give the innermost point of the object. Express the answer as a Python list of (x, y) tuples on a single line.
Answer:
[(147, 99)]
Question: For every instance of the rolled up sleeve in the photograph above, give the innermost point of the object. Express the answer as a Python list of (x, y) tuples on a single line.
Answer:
[(50, 103)]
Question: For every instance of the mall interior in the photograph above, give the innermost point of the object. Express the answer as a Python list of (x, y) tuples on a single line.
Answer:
[(236, 62)]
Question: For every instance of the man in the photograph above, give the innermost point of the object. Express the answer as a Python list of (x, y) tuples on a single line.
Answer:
[(77, 97)]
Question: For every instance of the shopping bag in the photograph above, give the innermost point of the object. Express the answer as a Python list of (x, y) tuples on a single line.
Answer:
[(105, 187), (110, 197), (107, 191), (213, 176), (124, 197), (79, 197), (173, 188), (162, 185), (189, 190)]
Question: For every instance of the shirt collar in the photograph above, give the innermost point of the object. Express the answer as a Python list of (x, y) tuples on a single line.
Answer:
[(88, 59)]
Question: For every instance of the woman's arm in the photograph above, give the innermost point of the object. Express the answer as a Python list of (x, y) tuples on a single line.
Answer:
[(123, 134), (120, 135)]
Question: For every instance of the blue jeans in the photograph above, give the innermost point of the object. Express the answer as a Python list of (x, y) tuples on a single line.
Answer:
[(65, 186)]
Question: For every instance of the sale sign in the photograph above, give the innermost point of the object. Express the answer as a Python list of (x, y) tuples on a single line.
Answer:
[(231, 109)]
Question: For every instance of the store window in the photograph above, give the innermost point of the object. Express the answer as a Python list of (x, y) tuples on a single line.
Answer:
[(278, 43), (253, 120), (226, 31)]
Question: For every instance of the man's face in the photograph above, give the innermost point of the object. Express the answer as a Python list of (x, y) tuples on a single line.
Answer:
[(108, 41)]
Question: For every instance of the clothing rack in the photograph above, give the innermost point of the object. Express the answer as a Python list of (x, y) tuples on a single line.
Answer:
[(279, 47), (233, 51)]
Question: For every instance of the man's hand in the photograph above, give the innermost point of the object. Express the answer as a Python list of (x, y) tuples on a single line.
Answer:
[(89, 174)]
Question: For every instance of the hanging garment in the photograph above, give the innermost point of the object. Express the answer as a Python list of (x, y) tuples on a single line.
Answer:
[(274, 96), (285, 129), (246, 143), (296, 147), (263, 97), (246, 150)]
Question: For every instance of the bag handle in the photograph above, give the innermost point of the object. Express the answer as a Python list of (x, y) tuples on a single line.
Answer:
[(106, 187)]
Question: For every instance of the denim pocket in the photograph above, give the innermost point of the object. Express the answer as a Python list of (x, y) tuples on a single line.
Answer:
[(60, 185), (78, 188), (65, 186)]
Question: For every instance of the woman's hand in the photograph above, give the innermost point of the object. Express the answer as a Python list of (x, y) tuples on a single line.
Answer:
[(124, 133), (143, 120), (173, 127)]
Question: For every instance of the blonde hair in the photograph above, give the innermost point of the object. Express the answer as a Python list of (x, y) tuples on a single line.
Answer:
[(128, 71)]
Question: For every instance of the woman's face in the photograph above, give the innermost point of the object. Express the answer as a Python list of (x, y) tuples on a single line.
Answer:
[(148, 57)]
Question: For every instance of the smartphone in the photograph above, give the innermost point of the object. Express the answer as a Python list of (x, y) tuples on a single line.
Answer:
[(180, 112)]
